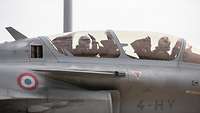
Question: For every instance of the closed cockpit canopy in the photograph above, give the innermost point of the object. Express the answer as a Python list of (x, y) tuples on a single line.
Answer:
[(109, 44)]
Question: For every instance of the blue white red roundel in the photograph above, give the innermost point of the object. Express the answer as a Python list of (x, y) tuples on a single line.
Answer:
[(27, 81)]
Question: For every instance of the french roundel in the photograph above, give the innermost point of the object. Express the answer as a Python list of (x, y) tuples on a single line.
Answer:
[(27, 81)]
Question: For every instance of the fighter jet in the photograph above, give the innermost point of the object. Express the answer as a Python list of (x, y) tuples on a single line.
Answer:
[(99, 72)]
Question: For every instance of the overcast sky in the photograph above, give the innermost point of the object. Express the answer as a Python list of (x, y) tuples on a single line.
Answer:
[(31, 17), (45, 17), (176, 17)]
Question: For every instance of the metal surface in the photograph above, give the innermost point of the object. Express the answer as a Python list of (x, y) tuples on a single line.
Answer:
[(57, 83)]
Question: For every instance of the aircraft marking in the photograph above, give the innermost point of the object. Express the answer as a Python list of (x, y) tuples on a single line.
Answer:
[(27, 81), (137, 74), (156, 105)]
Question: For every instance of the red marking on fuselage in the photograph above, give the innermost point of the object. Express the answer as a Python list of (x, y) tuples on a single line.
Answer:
[(19, 79)]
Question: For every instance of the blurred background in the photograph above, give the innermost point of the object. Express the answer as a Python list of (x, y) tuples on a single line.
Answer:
[(45, 17)]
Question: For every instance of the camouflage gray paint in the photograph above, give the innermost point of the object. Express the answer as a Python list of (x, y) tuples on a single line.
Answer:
[(68, 84)]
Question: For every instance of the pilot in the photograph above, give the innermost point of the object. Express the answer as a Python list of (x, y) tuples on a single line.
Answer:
[(83, 48), (161, 51), (142, 48)]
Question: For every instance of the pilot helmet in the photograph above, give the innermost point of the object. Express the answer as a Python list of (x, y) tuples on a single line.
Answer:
[(84, 41), (164, 43)]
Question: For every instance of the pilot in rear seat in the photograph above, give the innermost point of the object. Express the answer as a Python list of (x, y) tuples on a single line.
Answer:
[(83, 48), (161, 51)]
